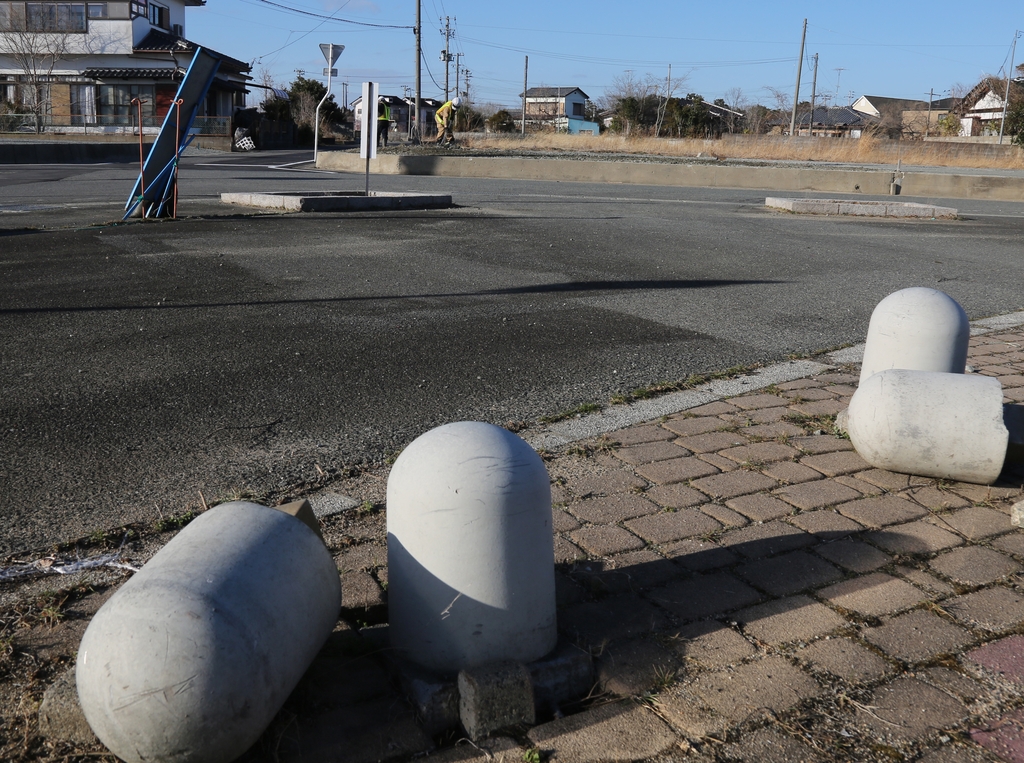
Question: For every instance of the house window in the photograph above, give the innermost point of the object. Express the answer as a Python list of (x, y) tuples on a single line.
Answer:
[(577, 109), (83, 104), (55, 17), (159, 16), (116, 107), (97, 10)]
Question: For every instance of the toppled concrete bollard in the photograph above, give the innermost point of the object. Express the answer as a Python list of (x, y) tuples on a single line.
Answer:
[(471, 577), (495, 696), (918, 329), (191, 659), (931, 424)]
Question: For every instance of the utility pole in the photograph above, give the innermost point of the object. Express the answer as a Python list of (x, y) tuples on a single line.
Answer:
[(928, 124), (457, 64), (839, 73), (467, 73), (414, 133), (668, 92), (799, 70), (814, 93), (446, 56), (526, 71), (1009, 79)]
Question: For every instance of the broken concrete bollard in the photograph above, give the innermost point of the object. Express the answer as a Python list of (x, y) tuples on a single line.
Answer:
[(919, 329), (191, 659), (471, 576), (931, 424)]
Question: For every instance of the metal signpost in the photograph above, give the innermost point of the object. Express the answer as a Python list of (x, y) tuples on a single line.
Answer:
[(331, 53), (368, 142)]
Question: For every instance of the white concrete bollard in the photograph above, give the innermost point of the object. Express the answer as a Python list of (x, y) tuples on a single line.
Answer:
[(919, 329), (931, 424), (471, 576), (191, 659)]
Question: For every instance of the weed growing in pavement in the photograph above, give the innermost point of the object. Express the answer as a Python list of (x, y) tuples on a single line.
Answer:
[(814, 424), (690, 382), (366, 508), (532, 755), (177, 521), (580, 410)]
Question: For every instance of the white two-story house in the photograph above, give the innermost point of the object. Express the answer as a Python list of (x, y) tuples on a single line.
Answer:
[(77, 66)]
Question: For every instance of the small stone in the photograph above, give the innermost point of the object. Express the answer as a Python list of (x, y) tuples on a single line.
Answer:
[(494, 696), (1017, 514), (60, 715)]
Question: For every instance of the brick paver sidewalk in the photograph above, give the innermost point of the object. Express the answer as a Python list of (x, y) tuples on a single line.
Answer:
[(750, 589)]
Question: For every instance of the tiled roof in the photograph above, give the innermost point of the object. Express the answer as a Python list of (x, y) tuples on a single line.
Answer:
[(161, 42), (552, 92), (129, 73)]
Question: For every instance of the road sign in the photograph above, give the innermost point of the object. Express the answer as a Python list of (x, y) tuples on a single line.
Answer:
[(331, 52), (331, 72)]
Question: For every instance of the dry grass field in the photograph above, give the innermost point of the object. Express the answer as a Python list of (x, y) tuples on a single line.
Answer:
[(866, 150)]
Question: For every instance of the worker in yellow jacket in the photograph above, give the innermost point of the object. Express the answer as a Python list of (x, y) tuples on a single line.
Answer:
[(445, 118), (383, 121)]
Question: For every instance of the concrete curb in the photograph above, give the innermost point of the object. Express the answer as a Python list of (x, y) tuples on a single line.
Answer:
[(874, 182), (337, 201), (861, 208)]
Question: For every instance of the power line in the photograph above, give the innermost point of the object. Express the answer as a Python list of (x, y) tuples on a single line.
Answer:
[(333, 18)]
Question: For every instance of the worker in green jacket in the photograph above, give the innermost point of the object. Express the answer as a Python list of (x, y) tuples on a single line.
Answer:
[(383, 122), (445, 118)]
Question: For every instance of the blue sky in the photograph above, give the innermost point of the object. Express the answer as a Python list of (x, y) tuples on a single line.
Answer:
[(879, 48)]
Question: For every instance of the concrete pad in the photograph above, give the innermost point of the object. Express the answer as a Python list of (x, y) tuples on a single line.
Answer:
[(338, 201)]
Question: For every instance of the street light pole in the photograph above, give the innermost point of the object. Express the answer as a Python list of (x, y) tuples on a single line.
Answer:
[(1009, 79)]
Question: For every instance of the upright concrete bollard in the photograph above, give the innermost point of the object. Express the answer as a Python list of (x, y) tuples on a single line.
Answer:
[(932, 424), (919, 329), (470, 559), (191, 659)]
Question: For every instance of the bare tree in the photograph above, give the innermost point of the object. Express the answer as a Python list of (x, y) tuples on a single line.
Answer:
[(734, 100), (36, 53), (629, 97)]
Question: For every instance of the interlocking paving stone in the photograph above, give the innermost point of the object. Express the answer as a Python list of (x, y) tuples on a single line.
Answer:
[(835, 464), (755, 541), (642, 434), (873, 594), (1003, 736), (618, 617), (716, 408), (649, 452), (767, 415), (789, 472), (676, 470), (976, 522), (930, 583), (711, 441), (732, 484), (773, 430), (853, 555), (607, 733), (797, 618), (818, 494), (747, 690), (986, 493), (914, 538), (865, 488), (633, 667), (721, 462), (820, 443), (622, 573), (704, 595), (819, 407), (788, 573), (712, 644), (881, 511), (1004, 657), (769, 745), (725, 515), (566, 551), (825, 524), (613, 508), (685, 427), (807, 393), (908, 709), (846, 659), (603, 482), (675, 496), (952, 682), (974, 565), (992, 609), (917, 636), (562, 521), (684, 712), (759, 507), (938, 500), (763, 452), (1011, 543), (699, 555), (603, 540), (360, 591), (892, 481), (758, 401), (673, 525)]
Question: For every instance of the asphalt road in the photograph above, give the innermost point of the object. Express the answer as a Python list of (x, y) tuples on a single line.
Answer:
[(235, 351)]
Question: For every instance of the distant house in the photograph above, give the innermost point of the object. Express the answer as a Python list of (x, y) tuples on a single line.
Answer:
[(904, 116), (827, 121), (77, 66), (981, 110), (563, 109)]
